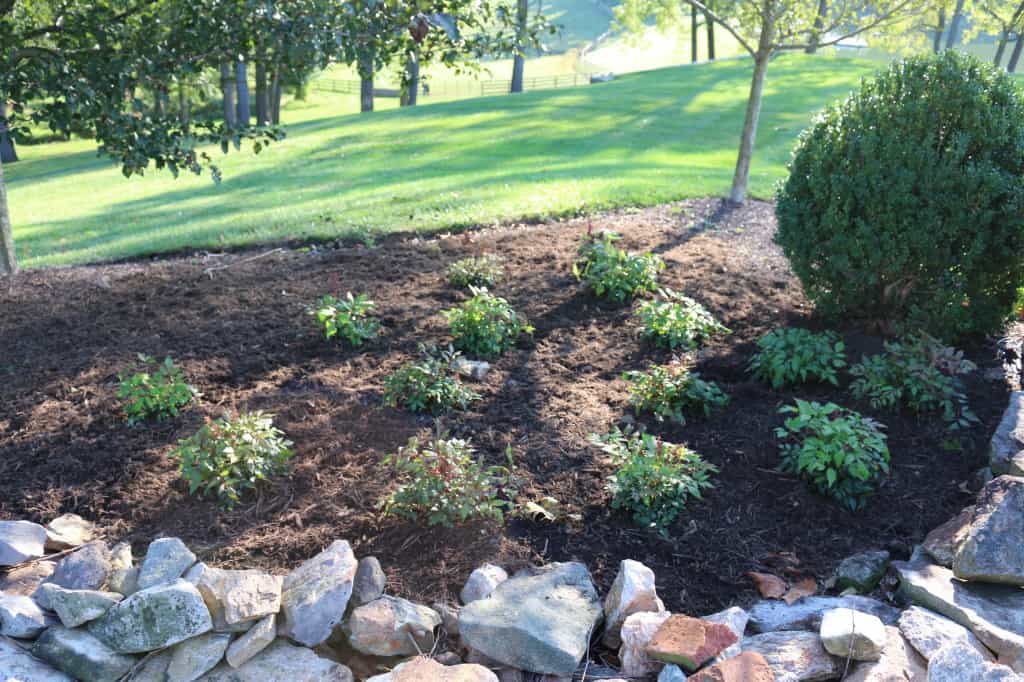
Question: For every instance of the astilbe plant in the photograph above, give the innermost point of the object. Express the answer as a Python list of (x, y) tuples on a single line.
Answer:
[(670, 391), (790, 356), (156, 394), (677, 321), (611, 272), (346, 318), (429, 384), (486, 325)]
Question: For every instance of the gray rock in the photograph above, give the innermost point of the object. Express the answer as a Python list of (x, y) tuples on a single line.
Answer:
[(121, 556), (735, 619), (862, 571), (235, 597), (848, 633), (369, 582), (539, 620), (26, 579), (941, 544), (960, 662), (632, 592), (282, 662), (166, 560), (75, 607), (314, 595), (153, 668), (87, 568), (390, 626), (482, 581), (671, 673), (794, 656), (21, 617), (124, 581), (154, 618), (252, 642), (805, 614), (194, 657), (18, 665), (1006, 449), (449, 617), (473, 369), (928, 632), (21, 541), (68, 530), (81, 655), (899, 663), (992, 549)]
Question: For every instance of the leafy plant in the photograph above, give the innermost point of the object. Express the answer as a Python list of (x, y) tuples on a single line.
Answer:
[(789, 356), (671, 390), (613, 273), (428, 385), (476, 271), (347, 318), (443, 482), (840, 452), (678, 321), (158, 394), (486, 325), (233, 454), (653, 479), (920, 374)]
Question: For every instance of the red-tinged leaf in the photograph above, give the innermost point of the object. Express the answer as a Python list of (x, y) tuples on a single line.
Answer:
[(770, 586), (800, 589)]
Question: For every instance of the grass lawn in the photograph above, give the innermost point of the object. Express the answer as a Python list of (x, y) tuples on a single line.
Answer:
[(643, 139)]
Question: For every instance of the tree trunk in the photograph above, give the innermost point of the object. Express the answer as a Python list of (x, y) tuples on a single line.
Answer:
[(184, 106), (693, 34), (939, 29), (1004, 37), (159, 103), (709, 25), (275, 97), (227, 88), (519, 59), (1015, 57), (819, 23), (954, 25), (742, 177), (7, 152), (366, 83), (8, 264), (242, 84), (411, 86), (262, 95)]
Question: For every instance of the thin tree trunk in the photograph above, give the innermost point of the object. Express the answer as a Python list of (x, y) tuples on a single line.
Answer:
[(227, 88), (242, 84), (1004, 37), (262, 96), (939, 29), (8, 263), (519, 59), (742, 177), (819, 23), (275, 96), (159, 103), (184, 106), (709, 25), (693, 34), (1015, 57), (366, 83), (410, 89), (8, 154), (954, 25)]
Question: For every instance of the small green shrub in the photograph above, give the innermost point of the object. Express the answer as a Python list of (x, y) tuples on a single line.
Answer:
[(678, 321), (158, 394), (442, 482), (669, 391), (917, 373), (476, 271), (231, 455), (485, 325), (653, 479), (789, 356), (347, 318), (840, 452), (428, 385), (611, 272)]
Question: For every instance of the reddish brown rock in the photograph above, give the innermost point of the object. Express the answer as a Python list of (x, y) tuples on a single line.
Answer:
[(689, 642), (747, 667)]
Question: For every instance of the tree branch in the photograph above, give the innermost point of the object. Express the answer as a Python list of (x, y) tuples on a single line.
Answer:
[(878, 21), (711, 13)]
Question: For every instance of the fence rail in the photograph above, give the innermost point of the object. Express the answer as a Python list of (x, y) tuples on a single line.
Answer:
[(458, 88)]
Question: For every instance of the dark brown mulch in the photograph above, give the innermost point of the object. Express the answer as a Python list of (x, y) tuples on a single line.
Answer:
[(243, 336)]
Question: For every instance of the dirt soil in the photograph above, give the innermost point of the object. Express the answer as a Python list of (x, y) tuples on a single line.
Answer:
[(240, 330)]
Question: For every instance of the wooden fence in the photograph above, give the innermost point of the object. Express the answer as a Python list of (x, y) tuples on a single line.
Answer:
[(456, 89)]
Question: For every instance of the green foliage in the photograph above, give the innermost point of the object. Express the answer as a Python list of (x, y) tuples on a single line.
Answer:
[(233, 454), (677, 321), (476, 271), (790, 356), (156, 394), (485, 325), (428, 385), (613, 273), (840, 452), (671, 390), (904, 203), (653, 479), (442, 482), (917, 373), (347, 318)]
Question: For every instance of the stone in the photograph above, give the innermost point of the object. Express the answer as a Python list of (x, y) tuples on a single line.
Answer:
[(154, 618), (282, 662), (862, 571), (121, 556), (805, 614), (124, 581), (994, 613), (21, 617), (166, 559), (25, 580), (422, 669), (193, 657), (689, 642), (539, 620), (637, 632), (899, 662), (632, 592), (851, 634), (736, 619), (86, 568), (960, 662), (481, 582), (369, 582), (794, 656), (252, 642), (992, 549), (449, 617), (473, 369), (81, 655), (153, 668), (67, 531), (941, 544), (390, 626), (18, 665), (21, 541), (746, 667), (671, 673), (314, 595), (76, 607), (928, 632), (237, 596), (1006, 449)]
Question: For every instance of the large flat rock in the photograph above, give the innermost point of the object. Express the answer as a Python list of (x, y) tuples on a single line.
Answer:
[(21, 617), (805, 614), (282, 662), (928, 632), (81, 655), (899, 663), (18, 665), (992, 548), (314, 595), (959, 662), (794, 656), (20, 541), (154, 618)]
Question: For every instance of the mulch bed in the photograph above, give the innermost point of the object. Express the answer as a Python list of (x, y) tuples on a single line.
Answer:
[(242, 335)]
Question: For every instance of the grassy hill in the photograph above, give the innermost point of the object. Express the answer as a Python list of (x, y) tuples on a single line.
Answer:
[(643, 139)]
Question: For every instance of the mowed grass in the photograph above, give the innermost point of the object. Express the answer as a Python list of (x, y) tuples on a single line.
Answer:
[(643, 139)]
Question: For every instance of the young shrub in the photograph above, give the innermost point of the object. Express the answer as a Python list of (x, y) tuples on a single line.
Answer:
[(840, 452), (428, 385), (156, 395), (347, 318), (653, 479), (920, 374), (677, 322), (669, 391), (904, 203), (611, 272), (442, 482), (476, 271), (485, 325), (790, 356), (231, 455)]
